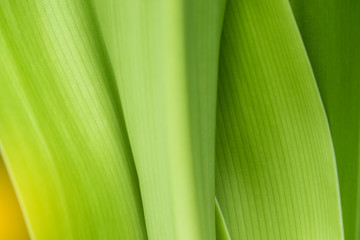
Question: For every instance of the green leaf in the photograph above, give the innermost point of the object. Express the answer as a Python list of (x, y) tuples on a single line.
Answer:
[(61, 126), (330, 31), (275, 169), (165, 57)]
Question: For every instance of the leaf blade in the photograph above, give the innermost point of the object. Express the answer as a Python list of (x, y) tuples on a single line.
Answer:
[(275, 174)]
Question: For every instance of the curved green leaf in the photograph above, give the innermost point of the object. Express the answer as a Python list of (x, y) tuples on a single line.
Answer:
[(330, 31), (61, 127), (275, 172)]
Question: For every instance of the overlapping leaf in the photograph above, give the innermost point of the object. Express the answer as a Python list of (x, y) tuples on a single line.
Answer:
[(275, 174), (165, 55), (65, 140), (330, 31), (61, 127)]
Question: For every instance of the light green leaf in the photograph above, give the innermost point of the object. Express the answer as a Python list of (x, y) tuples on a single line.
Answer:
[(61, 127), (275, 169), (330, 31), (165, 57)]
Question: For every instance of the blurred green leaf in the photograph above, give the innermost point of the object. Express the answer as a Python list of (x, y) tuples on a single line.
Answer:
[(165, 58)]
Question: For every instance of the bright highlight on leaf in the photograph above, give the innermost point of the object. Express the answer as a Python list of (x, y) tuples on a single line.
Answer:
[(181, 119)]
